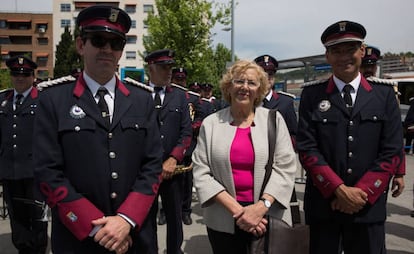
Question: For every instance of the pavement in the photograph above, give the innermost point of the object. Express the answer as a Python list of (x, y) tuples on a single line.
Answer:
[(399, 225)]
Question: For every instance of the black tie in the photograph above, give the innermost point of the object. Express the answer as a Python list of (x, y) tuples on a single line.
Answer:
[(102, 104), (19, 100), (347, 96), (157, 97)]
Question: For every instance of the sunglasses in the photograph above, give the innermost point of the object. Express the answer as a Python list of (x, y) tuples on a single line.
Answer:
[(20, 74), (99, 41)]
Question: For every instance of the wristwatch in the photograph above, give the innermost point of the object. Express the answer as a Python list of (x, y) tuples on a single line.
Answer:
[(266, 203)]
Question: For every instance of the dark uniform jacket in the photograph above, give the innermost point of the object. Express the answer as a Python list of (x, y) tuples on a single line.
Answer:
[(87, 171), (175, 124), (361, 149), (284, 104), (16, 131)]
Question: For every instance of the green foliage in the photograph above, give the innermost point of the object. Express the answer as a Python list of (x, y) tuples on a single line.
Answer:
[(67, 57), (5, 81), (184, 26)]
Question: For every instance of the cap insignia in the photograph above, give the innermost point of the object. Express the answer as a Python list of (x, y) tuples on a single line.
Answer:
[(21, 60), (266, 59), (342, 26), (369, 51), (113, 17)]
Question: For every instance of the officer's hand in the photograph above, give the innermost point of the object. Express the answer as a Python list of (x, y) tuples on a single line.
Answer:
[(350, 199), (124, 246), (113, 233), (168, 168), (397, 186)]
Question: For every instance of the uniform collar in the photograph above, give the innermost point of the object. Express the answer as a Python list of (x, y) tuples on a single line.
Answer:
[(94, 86)]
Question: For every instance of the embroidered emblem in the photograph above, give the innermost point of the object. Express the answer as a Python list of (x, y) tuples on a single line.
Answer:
[(320, 178), (77, 112), (4, 103), (324, 105), (377, 183), (342, 26), (72, 217), (113, 17)]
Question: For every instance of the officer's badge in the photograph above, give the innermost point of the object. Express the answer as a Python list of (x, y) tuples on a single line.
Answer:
[(20, 60), (342, 26), (72, 217), (377, 183), (113, 17), (77, 112), (4, 103), (324, 105)]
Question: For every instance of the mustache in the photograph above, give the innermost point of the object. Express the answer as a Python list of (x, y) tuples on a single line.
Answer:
[(105, 56)]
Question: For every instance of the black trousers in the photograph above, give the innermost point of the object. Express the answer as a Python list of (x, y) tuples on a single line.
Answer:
[(351, 238), (225, 243), (171, 192), (29, 232), (187, 189)]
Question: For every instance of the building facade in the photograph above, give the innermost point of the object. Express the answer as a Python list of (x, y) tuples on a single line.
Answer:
[(30, 35), (66, 11)]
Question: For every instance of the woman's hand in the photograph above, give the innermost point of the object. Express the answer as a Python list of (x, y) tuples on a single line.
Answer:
[(252, 218)]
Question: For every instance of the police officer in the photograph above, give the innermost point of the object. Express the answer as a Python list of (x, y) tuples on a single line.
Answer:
[(175, 128), (278, 100), (199, 109), (369, 61), (349, 142), (97, 147), (17, 113)]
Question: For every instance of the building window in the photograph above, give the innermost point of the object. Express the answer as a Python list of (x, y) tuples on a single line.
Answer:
[(148, 8), (64, 23), (130, 8), (3, 23), (41, 28), (42, 41), (43, 74), (131, 39), (65, 7), (20, 39), (4, 40), (131, 55), (133, 24), (145, 23)]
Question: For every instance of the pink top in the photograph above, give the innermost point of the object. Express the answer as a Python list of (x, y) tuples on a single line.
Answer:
[(242, 164)]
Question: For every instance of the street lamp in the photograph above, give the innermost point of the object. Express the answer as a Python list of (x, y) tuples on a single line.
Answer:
[(232, 31)]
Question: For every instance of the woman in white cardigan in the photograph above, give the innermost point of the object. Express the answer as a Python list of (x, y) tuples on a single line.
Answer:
[(230, 159)]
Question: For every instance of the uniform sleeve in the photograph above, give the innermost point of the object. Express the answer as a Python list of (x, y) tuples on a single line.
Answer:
[(322, 175), (75, 211), (178, 152), (390, 155)]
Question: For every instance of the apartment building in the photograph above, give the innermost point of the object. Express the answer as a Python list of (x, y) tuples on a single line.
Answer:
[(28, 34), (66, 11)]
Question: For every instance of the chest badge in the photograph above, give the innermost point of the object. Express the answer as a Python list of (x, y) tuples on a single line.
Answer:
[(324, 105), (4, 103), (77, 112)]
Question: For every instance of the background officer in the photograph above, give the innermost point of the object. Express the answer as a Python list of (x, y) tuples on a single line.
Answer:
[(349, 142), (281, 101), (175, 129), (17, 113), (97, 147), (369, 61)]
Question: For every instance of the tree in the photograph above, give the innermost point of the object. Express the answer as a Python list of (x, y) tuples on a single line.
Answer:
[(184, 26), (67, 58)]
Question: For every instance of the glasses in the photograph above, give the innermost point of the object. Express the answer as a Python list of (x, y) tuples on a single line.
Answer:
[(20, 74), (241, 82), (99, 41)]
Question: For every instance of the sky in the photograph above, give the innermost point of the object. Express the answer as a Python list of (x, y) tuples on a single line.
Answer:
[(289, 29)]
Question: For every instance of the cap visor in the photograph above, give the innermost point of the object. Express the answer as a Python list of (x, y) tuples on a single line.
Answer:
[(342, 40)]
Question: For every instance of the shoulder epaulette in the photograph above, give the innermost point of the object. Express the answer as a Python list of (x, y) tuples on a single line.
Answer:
[(205, 99), (178, 86), (315, 82), (287, 94), (193, 93), (6, 90), (138, 84), (382, 81), (53, 82)]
